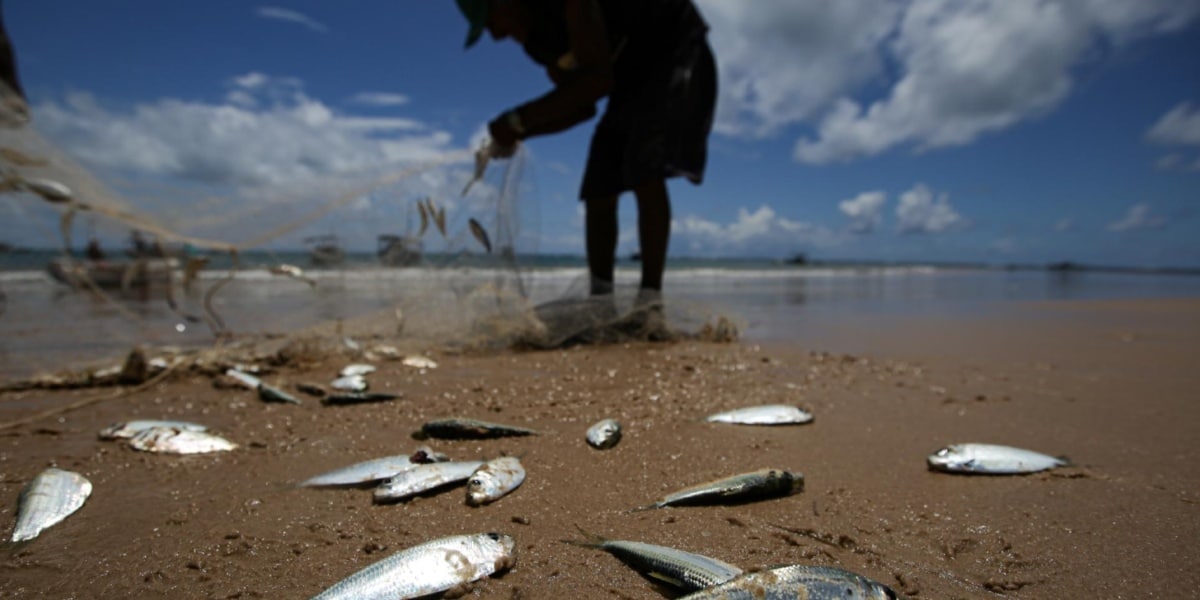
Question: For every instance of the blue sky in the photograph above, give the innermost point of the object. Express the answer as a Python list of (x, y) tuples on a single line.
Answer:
[(979, 130)]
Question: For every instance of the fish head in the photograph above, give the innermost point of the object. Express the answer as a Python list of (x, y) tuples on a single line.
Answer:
[(951, 458), (479, 487), (879, 591), (508, 556)]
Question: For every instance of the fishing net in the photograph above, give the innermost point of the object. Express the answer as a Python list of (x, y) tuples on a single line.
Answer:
[(407, 254)]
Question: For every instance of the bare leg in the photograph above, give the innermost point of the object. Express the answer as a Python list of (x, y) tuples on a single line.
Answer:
[(601, 217), (654, 230)]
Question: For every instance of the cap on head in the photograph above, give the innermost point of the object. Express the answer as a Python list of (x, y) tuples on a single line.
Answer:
[(476, 12)]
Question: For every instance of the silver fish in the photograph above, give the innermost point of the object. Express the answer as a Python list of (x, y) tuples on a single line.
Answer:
[(494, 479), (604, 434), (352, 383), (50, 190), (991, 459), (51, 497), (769, 414), (356, 369), (268, 393), (169, 440), (417, 361), (246, 379), (423, 478), (797, 581), (439, 565), (461, 429), (128, 429), (375, 469), (765, 483), (359, 398), (683, 570), (480, 234)]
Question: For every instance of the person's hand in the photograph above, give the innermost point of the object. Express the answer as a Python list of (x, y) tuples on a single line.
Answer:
[(505, 134)]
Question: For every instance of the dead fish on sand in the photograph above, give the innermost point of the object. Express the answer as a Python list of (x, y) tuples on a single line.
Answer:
[(128, 429), (375, 469), (494, 479), (51, 497), (443, 565), (417, 361), (356, 369), (769, 414), (359, 398), (757, 485), (245, 379), (423, 478), (480, 234), (351, 383), (170, 440), (991, 459), (268, 393), (311, 389), (797, 581), (468, 429), (604, 434), (683, 570)]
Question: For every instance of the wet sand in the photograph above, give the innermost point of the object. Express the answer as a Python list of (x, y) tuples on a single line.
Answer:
[(1112, 385)]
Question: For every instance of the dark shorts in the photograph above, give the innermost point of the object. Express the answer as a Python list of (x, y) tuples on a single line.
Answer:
[(656, 128)]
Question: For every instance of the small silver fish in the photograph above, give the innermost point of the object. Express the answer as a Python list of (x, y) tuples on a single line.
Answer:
[(169, 440), (359, 398), (424, 218), (769, 414), (356, 369), (756, 485), (465, 429), (48, 499), (375, 469), (417, 361), (268, 393), (246, 379), (50, 190), (494, 479), (439, 219), (352, 383), (991, 459), (685, 571), (480, 234), (423, 478), (797, 581), (604, 434), (442, 565), (128, 429)]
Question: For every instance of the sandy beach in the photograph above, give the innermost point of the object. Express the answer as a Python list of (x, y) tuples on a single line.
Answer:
[(1113, 385)]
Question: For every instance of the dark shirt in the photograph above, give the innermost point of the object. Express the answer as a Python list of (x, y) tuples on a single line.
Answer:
[(644, 36)]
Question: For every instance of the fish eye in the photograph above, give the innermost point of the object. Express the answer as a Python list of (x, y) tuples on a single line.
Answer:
[(944, 452), (494, 536)]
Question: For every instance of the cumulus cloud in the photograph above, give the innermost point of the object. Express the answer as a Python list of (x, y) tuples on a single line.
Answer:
[(1179, 127), (291, 16), (1138, 218), (761, 229), (380, 99), (268, 132), (919, 211), (873, 75), (864, 210)]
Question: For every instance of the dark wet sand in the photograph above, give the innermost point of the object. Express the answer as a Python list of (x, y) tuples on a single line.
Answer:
[(1112, 385)]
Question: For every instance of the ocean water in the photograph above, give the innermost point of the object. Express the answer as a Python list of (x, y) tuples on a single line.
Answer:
[(44, 325)]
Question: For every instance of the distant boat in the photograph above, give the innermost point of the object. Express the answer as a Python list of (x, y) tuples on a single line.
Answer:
[(118, 274), (325, 250), (798, 260), (398, 250)]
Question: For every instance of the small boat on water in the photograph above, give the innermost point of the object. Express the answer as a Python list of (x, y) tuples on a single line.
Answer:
[(114, 274), (325, 250), (399, 250)]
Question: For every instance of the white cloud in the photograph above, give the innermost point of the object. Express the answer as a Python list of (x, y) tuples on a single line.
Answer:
[(873, 75), (291, 16), (1179, 127), (380, 99), (763, 230), (1138, 218), (1064, 224), (920, 212), (864, 210)]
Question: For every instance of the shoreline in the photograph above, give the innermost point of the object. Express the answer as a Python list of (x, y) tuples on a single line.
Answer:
[(1109, 383)]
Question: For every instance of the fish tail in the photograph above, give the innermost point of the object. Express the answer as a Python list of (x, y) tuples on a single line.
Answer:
[(591, 540)]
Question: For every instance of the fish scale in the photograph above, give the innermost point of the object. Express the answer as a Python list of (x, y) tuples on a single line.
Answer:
[(429, 568), (684, 570), (53, 495)]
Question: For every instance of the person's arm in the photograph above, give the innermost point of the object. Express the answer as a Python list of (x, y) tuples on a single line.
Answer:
[(573, 99)]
